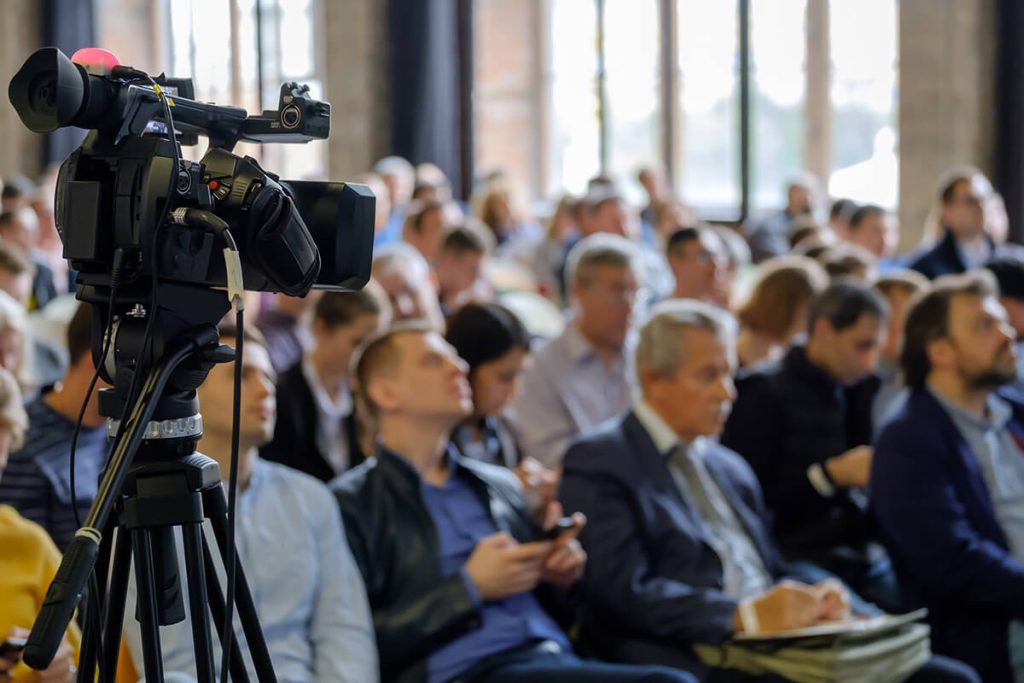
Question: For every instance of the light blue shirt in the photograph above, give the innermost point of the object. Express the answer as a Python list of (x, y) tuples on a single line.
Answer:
[(307, 589), (1001, 461), (567, 391)]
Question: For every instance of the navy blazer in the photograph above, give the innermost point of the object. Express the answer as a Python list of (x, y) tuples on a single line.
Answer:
[(936, 517), (944, 258), (652, 575)]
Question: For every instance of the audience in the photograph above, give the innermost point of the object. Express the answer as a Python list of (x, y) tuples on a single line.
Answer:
[(770, 236), (458, 574), (581, 378), (958, 224), (804, 425), (840, 216), (874, 229), (406, 278), (494, 345), (20, 229), (317, 430), (286, 330), (899, 289), (948, 477), (308, 593), (698, 262), (696, 518), (400, 178), (459, 265), (1009, 275), (775, 312), (37, 482), (678, 539), (424, 227), (29, 559), (849, 261)]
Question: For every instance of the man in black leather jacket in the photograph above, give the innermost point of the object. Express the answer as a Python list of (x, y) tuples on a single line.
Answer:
[(462, 583)]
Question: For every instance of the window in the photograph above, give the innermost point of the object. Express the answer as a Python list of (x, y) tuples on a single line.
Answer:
[(732, 97), (272, 41)]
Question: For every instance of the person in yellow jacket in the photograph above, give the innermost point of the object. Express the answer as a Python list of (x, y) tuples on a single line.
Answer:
[(28, 561)]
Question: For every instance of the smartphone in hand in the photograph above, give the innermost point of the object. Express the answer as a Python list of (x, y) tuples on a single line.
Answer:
[(12, 648), (560, 527)]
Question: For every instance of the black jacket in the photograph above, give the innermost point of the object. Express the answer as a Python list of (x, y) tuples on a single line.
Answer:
[(393, 538), (944, 258), (294, 442), (789, 415)]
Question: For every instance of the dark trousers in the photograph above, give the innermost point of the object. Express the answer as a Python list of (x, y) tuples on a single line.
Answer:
[(540, 664)]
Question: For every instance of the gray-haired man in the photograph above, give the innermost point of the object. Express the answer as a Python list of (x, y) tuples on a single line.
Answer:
[(581, 378)]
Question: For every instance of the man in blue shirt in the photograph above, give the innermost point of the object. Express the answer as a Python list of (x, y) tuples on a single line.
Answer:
[(37, 480), (462, 583), (308, 594)]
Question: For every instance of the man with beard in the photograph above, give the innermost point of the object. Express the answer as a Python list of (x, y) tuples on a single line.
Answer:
[(948, 475)]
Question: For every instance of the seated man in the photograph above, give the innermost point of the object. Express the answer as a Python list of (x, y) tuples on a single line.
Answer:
[(804, 425), (307, 591), (455, 569), (698, 262), (37, 481), (678, 540), (580, 379), (948, 477)]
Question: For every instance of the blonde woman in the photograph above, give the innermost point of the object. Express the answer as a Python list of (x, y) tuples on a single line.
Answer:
[(28, 561), (776, 310)]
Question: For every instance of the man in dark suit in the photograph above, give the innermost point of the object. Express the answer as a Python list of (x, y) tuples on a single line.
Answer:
[(677, 537), (948, 476), (804, 425), (963, 210)]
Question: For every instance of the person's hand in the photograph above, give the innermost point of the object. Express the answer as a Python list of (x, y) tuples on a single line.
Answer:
[(787, 606), (835, 600), (500, 567), (62, 668), (6, 664), (540, 486), (565, 565), (852, 468)]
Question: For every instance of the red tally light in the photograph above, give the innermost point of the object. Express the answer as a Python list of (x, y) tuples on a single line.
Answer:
[(213, 184), (96, 60)]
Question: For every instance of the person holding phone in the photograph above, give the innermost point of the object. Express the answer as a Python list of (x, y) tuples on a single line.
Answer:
[(27, 565), (463, 584)]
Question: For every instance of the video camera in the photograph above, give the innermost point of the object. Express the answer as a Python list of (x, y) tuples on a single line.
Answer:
[(291, 235)]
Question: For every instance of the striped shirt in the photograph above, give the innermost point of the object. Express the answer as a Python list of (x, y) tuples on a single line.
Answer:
[(37, 482)]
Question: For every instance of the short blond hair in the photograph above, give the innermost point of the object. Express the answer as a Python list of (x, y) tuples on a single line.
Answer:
[(13, 418)]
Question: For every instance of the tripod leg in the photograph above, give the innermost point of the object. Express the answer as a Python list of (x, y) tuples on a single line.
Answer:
[(216, 599), (197, 600), (153, 665), (215, 506), (113, 618)]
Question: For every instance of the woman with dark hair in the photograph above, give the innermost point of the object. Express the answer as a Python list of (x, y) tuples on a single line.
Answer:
[(494, 344)]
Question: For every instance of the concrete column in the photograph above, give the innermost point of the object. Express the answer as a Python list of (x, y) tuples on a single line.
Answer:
[(21, 151), (946, 111), (355, 71)]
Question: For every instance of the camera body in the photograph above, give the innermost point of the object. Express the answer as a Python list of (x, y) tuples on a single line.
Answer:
[(115, 192)]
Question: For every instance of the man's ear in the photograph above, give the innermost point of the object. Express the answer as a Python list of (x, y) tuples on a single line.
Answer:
[(941, 353), (382, 391)]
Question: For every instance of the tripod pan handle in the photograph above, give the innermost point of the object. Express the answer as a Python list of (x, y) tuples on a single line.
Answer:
[(62, 599)]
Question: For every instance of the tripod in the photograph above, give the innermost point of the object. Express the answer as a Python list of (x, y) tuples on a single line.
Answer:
[(159, 495), (168, 485)]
